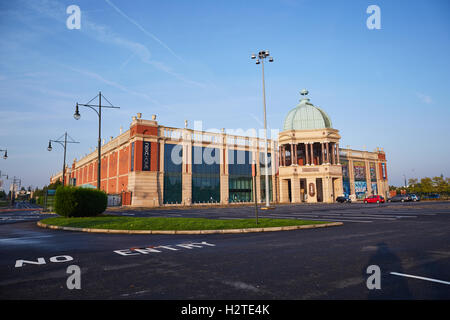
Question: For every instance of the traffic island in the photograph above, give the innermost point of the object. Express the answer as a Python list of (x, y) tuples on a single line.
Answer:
[(162, 225)]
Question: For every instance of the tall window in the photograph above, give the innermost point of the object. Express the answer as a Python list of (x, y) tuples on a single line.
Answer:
[(132, 157), (172, 174), (240, 184), (205, 175)]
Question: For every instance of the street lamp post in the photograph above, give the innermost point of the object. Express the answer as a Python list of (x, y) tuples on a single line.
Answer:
[(5, 156), (262, 55), (77, 116), (64, 144)]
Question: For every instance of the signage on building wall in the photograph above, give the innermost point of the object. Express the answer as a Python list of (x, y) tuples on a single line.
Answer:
[(359, 169), (310, 169), (312, 191), (383, 170), (373, 173), (146, 156), (360, 187)]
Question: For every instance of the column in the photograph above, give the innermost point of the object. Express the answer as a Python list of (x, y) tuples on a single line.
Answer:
[(311, 186), (333, 150), (295, 189), (351, 173), (186, 170), (292, 154), (337, 154), (323, 153), (295, 154), (312, 153), (274, 175), (284, 190), (306, 153), (280, 154), (224, 183), (368, 178), (327, 148)]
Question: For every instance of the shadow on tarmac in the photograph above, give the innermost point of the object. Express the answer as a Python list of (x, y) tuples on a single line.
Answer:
[(392, 287)]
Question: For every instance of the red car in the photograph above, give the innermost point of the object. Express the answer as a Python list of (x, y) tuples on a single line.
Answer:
[(374, 199)]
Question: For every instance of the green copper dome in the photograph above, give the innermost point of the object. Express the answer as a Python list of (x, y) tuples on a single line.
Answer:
[(306, 116)]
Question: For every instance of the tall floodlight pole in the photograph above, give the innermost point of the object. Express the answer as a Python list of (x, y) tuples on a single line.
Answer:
[(64, 145), (262, 55), (77, 116)]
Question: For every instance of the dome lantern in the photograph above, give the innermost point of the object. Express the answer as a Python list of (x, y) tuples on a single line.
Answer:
[(306, 116)]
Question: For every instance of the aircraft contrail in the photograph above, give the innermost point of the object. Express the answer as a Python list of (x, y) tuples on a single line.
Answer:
[(142, 29)]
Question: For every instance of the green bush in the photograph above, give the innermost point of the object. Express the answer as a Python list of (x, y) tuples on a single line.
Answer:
[(79, 202)]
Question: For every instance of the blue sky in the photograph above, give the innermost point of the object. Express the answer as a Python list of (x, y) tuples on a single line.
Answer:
[(190, 60)]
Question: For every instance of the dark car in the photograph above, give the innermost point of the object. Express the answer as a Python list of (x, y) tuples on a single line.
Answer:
[(400, 198), (343, 199)]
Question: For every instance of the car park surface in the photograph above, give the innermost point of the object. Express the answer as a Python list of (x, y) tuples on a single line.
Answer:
[(401, 238)]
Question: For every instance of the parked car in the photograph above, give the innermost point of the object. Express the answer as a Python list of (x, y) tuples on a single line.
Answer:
[(343, 199), (414, 197), (400, 198), (374, 199)]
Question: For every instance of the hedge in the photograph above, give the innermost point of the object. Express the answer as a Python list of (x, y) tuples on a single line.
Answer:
[(79, 202)]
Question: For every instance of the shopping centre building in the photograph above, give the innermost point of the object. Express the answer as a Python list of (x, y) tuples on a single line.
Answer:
[(153, 165)]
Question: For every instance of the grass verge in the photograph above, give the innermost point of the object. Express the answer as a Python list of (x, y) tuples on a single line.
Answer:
[(158, 223)]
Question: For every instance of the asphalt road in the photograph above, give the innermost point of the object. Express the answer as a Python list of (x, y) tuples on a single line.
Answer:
[(405, 241)]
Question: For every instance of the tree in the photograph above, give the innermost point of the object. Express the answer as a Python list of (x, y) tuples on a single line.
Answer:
[(439, 184), (55, 185), (426, 185)]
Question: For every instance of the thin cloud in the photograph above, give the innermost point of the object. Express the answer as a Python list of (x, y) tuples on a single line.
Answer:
[(102, 33), (114, 84), (424, 98), (142, 29)]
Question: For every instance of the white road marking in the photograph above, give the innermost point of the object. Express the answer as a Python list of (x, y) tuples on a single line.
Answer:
[(344, 216), (341, 219), (420, 278), (320, 218), (134, 293), (24, 238), (152, 249)]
